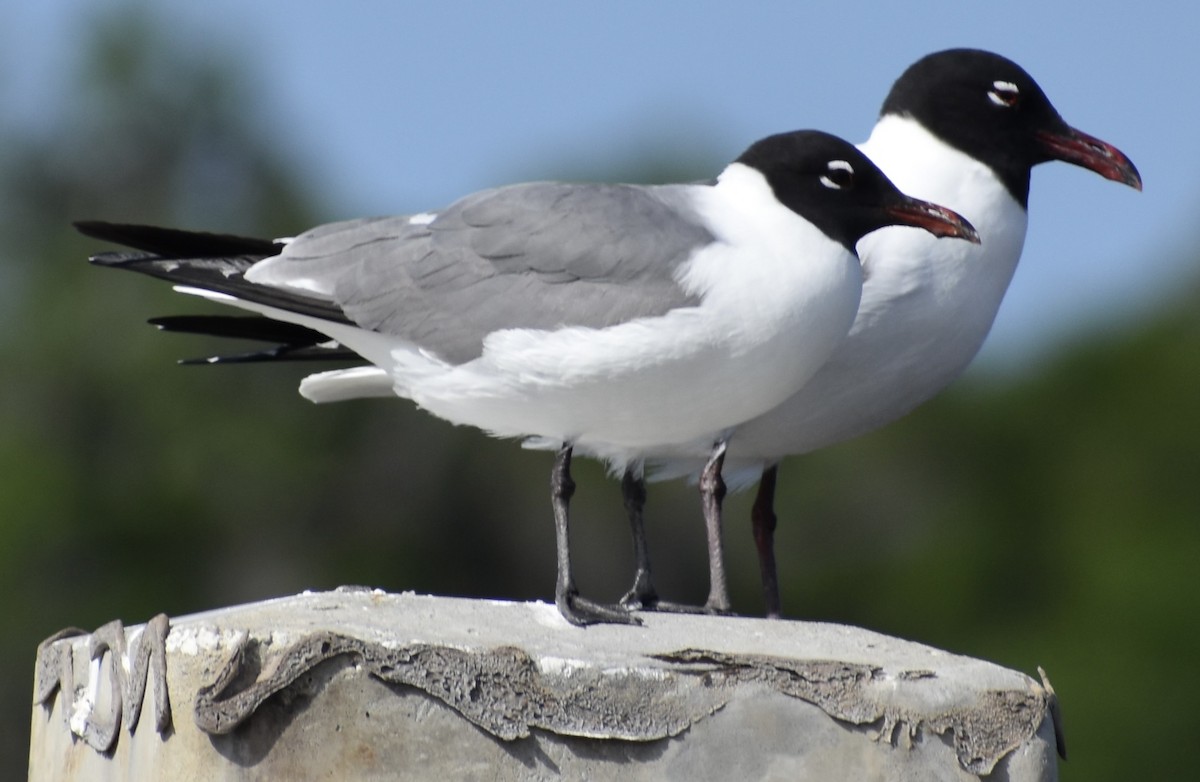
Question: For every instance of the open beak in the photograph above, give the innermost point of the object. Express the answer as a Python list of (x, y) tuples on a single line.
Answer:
[(1075, 146), (937, 220)]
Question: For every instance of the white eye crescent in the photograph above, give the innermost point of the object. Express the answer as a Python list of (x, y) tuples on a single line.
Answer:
[(839, 175), (1004, 94)]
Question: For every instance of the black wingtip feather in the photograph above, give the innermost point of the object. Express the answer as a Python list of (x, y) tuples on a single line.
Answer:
[(294, 342), (241, 327), (218, 262), (118, 258), (276, 354), (175, 243), (221, 274)]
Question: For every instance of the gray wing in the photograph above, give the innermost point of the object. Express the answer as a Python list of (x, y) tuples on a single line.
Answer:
[(541, 255)]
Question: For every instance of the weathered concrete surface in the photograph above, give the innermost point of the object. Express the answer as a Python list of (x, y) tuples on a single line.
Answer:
[(366, 685)]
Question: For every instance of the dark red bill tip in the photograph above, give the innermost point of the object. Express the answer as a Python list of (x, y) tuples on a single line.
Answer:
[(1076, 147), (937, 220)]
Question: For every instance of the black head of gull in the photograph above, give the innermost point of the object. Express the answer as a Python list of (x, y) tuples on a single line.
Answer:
[(988, 107), (839, 190)]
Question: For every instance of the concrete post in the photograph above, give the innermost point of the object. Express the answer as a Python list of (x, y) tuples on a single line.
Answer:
[(358, 684)]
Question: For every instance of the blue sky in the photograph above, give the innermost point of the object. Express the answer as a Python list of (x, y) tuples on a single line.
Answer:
[(398, 107)]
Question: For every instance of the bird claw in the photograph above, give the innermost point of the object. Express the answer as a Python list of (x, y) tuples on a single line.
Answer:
[(667, 607), (581, 612), (642, 596), (712, 610)]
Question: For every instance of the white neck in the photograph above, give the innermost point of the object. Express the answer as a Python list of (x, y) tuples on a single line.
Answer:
[(924, 166)]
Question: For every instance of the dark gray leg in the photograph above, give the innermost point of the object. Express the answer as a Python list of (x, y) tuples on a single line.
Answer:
[(575, 609), (763, 521), (642, 594), (712, 493)]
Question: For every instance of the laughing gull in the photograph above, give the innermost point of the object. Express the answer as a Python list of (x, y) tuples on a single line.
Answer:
[(962, 128), (615, 318)]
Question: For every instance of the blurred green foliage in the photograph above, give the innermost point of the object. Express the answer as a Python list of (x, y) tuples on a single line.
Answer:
[(1047, 519)]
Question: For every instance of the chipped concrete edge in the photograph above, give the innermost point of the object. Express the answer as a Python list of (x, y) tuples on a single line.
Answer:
[(505, 692), (133, 665), (983, 734), (501, 690)]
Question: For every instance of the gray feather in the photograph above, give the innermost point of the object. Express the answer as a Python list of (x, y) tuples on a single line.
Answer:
[(542, 255)]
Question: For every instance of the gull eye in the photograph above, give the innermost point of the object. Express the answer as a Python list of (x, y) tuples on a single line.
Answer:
[(839, 175), (1004, 94)]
